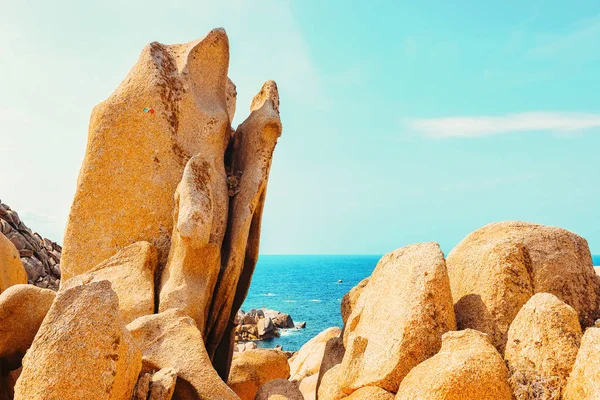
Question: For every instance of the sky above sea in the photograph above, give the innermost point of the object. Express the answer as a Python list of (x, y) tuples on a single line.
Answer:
[(403, 122)]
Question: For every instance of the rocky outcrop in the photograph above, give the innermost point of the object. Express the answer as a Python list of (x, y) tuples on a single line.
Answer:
[(40, 256), (164, 166), (11, 267), (82, 349), (399, 319), (350, 299), (131, 274), (280, 320), (22, 310), (490, 296), (468, 367), (252, 369), (251, 152), (582, 383), (135, 159), (279, 389), (307, 361), (172, 340), (265, 328), (261, 324), (561, 264), (542, 346)]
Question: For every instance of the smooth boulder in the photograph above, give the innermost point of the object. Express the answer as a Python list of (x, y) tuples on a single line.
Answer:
[(329, 387), (542, 345), (489, 297), (308, 387), (468, 367), (22, 310), (82, 350), (582, 383), (12, 271), (399, 319), (307, 361), (561, 264), (172, 340), (253, 368), (131, 274)]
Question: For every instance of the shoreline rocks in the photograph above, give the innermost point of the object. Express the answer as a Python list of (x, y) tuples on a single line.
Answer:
[(262, 324)]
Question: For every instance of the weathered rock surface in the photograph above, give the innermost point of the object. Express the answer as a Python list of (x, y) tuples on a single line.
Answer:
[(251, 149), (468, 367), (164, 166), (82, 349), (131, 274), (582, 383), (40, 256), (349, 300), (163, 384), (12, 271), (22, 310), (370, 393), (489, 296), (407, 297), (279, 389), (253, 368), (561, 264), (135, 159), (308, 359), (542, 345), (172, 340), (192, 269)]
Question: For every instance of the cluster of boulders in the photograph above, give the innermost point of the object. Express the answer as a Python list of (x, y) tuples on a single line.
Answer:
[(40, 256), (262, 324), (160, 246), (162, 242), (508, 315)]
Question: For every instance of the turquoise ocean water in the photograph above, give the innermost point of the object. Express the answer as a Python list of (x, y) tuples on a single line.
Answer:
[(306, 288)]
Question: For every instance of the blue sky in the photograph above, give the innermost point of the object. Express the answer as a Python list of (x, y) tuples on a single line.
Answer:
[(403, 122)]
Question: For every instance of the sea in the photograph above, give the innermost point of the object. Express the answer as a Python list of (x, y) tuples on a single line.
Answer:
[(307, 288)]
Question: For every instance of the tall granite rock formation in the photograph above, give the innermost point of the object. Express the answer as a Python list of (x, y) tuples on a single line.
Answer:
[(164, 166)]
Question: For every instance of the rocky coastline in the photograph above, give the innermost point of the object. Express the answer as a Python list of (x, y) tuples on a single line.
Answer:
[(143, 302)]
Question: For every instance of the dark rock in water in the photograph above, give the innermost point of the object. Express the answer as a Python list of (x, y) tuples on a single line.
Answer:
[(301, 325), (283, 321), (40, 256)]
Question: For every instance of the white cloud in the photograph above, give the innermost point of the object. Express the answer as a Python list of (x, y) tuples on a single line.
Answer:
[(479, 126)]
